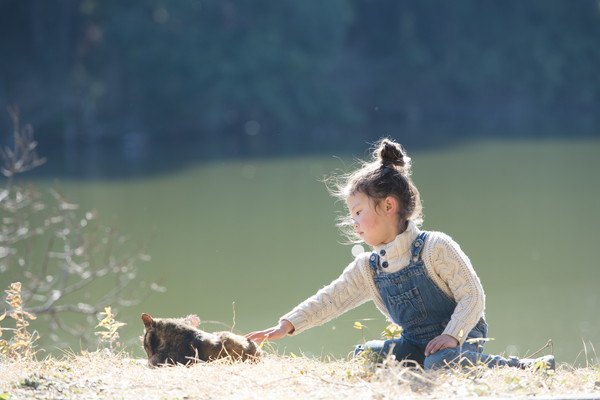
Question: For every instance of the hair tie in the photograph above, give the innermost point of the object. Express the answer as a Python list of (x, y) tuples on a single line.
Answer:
[(385, 170)]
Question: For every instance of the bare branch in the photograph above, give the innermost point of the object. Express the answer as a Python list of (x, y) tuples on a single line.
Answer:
[(57, 250), (23, 156)]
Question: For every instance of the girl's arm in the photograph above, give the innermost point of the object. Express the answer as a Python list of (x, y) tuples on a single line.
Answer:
[(455, 274), (348, 291)]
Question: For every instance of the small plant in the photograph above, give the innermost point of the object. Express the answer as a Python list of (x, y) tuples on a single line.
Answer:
[(361, 327), (4, 344), (110, 334), (392, 331), (370, 359), (21, 344)]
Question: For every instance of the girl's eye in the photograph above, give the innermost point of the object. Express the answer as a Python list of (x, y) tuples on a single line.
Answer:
[(358, 213)]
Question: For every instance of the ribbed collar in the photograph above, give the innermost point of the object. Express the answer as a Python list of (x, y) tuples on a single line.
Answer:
[(400, 245)]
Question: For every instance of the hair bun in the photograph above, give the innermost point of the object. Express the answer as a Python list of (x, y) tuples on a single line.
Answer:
[(390, 153)]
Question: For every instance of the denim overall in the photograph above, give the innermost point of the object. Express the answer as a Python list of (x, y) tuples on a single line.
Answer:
[(423, 310)]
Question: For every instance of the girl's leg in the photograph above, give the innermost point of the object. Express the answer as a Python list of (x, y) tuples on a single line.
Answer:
[(400, 348), (466, 356), (471, 355)]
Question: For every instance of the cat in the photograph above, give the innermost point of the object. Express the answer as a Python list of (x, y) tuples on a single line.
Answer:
[(173, 341)]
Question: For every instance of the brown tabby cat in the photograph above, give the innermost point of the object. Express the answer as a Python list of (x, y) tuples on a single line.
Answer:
[(171, 341)]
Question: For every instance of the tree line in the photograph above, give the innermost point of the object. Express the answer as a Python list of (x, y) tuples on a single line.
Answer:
[(263, 77)]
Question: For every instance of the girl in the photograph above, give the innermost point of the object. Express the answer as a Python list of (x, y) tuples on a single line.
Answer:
[(420, 280)]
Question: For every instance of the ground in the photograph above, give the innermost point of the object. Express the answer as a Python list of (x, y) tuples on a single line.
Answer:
[(99, 375)]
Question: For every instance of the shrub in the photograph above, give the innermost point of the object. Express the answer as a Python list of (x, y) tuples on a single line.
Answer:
[(67, 260)]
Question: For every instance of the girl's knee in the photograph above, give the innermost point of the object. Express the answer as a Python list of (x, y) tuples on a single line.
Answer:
[(441, 359)]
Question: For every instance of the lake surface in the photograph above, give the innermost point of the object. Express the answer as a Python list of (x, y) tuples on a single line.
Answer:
[(259, 236)]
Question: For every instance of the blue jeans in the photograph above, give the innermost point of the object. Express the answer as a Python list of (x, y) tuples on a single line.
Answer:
[(402, 349)]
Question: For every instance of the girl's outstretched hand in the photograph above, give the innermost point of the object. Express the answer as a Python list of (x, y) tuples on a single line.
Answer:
[(440, 342), (274, 333)]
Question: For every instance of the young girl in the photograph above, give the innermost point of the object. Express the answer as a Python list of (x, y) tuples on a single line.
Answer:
[(420, 280)]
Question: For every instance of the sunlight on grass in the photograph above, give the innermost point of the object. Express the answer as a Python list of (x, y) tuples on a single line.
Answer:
[(92, 374)]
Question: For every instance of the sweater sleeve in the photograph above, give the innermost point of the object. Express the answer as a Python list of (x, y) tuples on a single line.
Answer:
[(348, 291), (454, 269)]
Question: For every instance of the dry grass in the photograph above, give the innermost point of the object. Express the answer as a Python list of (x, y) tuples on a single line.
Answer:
[(103, 375), (106, 375)]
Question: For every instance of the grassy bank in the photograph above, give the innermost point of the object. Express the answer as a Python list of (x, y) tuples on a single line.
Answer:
[(103, 375)]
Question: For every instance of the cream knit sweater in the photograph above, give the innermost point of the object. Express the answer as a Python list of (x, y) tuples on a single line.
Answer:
[(445, 263)]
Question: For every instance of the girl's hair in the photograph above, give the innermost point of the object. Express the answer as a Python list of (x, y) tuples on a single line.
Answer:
[(387, 174)]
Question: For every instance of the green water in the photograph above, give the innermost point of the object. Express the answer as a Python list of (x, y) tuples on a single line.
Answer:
[(261, 234)]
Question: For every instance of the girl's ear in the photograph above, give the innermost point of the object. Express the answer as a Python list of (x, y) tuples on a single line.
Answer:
[(390, 205)]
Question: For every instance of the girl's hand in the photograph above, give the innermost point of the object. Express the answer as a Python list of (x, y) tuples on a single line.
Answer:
[(274, 333), (439, 343)]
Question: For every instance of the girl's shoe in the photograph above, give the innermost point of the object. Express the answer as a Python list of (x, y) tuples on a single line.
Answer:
[(540, 363)]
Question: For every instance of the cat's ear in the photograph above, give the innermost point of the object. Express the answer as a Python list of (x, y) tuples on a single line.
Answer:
[(148, 321), (192, 320)]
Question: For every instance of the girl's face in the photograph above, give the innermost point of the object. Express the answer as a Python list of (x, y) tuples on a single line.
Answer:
[(374, 225)]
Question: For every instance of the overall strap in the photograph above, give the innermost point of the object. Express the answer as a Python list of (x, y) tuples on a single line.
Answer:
[(417, 246)]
